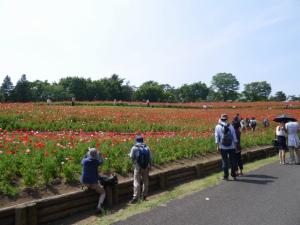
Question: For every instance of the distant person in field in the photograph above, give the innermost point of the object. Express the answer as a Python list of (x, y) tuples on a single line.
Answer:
[(243, 124), (226, 141), (252, 124), (281, 139), (236, 122), (141, 158), (247, 122), (89, 178), (292, 129), (238, 150), (266, 122)]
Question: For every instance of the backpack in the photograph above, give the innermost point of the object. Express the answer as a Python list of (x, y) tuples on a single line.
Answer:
[(143, 156), (226, 138), (108, 180), (252, 123)]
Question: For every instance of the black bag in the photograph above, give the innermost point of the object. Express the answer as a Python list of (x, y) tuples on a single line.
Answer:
[(108, 180)]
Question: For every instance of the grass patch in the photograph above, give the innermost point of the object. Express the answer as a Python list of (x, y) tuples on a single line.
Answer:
[(175, 193)]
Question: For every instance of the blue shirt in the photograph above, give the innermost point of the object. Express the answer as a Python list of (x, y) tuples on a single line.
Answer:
[(89, 170)]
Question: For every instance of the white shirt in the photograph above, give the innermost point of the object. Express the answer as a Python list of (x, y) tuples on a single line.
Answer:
[(292, 130), (219, 133), (280, 131)]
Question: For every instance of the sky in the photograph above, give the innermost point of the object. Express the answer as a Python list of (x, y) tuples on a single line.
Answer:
[(168, 41)]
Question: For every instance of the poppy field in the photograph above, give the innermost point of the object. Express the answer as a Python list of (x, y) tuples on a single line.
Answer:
[(40, 143)]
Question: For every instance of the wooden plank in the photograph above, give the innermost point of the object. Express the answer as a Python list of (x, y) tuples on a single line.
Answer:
[(55, 200), (21, 215), (5, 212), (52, 209), (62, 214), (31, 214), (191, 172), (7, 220)]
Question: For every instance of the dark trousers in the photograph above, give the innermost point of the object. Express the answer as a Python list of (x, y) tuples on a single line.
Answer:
[(228, 155), (239, 161)]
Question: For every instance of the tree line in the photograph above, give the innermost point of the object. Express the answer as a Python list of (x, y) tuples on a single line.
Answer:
[(224, 87)]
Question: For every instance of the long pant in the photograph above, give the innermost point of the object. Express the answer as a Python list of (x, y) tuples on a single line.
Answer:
[(294, 155), (228, 154), (140, 175), (100, 190), (239, 161)]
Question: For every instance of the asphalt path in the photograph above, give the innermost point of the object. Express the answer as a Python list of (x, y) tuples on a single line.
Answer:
[(266, 196)]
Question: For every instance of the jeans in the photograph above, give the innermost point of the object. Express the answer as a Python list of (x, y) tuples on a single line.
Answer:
[(228, 154)]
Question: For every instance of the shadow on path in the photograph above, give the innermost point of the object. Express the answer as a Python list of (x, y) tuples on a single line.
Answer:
[(260, 179)]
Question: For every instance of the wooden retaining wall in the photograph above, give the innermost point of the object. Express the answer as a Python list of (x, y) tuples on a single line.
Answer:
[(47, 210)]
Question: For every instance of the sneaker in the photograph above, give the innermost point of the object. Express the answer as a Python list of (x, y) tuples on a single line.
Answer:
[(241, 173), (225, 178), (133, 201), (144, 198)]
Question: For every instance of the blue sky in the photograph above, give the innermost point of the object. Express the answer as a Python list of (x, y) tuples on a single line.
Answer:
[(169, 41)]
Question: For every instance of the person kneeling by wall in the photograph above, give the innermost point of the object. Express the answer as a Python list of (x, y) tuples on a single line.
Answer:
[(90, 176)]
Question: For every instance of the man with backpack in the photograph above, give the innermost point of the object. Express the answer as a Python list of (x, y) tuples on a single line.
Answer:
[(226, 144), (141, 158)]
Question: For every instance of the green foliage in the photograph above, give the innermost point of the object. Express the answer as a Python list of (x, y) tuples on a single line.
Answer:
[(257, 91), (226, 85)]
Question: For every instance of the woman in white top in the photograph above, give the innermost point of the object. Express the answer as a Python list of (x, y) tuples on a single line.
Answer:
[(280, 135)]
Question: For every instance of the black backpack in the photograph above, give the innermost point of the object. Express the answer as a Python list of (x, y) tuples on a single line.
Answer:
[(143, 156), (108, 180), (226, 138)]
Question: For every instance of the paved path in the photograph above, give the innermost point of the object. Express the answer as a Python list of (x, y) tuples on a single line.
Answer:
[(267, 196)]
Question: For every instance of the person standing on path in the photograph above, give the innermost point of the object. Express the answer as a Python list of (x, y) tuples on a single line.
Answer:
[(90, 176), (141, 158), (226, 142), (280, 136), (238, 150), (292, 129)]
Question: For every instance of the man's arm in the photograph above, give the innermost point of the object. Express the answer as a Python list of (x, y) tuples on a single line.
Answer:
[(217, 138)]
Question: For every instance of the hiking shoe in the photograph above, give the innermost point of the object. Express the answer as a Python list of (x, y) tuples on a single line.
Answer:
[(144, 198), (133, 201)]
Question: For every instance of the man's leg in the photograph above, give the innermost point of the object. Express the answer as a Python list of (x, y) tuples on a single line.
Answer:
[(297, 153), (145, 177), (100, 190), (233, 162), (136, 183), (224, 154), (292, 154)]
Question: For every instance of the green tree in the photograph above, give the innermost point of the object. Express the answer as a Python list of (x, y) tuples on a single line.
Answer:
[(280, 96), (22, 91), (151, 91), (193, 92), (226, 85), (6, 89), (257, 91), (77, 86)]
